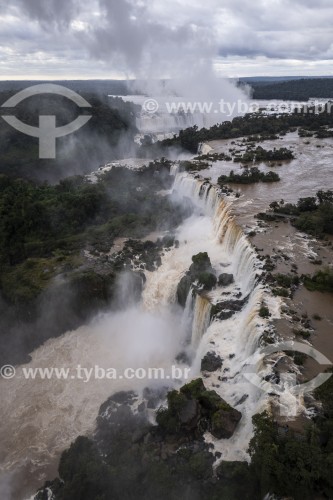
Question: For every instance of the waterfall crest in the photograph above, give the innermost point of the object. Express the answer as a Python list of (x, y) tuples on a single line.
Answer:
[(228, 233)]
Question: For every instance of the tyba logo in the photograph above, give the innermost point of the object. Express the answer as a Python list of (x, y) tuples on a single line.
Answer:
[(47, 132)]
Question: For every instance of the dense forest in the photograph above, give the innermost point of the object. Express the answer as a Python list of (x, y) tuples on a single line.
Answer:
[(313, 214), (248, 176), (97, 87), (44, 230), (293, 90)]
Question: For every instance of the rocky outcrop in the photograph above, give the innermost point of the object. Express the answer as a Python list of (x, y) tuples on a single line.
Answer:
[(143, 254), (211, 362), (225, 279), (194, 410), (200, 277), (224, 423), (227, 308), (169, 460)]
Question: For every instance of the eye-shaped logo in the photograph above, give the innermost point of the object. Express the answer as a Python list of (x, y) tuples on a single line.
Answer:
[(287, 389), (47, 132)]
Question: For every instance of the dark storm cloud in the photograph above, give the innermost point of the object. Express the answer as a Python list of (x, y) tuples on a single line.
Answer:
[(134, 37), (118, 31), (49, 11)]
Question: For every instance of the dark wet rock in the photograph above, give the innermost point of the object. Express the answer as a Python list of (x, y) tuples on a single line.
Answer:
[(211, 362), (273, 377), (183, 357), (139, 434), (226, 315), (201, 272), (227, 308), (189, 414), (146, 254), (194, 410), (122, 397), (224, 423), (306, 323), (142, 407), (168, 241), (183, 289), (242, 400), (126, 446), (206, 280), (232, 470), (154, 397), (225, 279)]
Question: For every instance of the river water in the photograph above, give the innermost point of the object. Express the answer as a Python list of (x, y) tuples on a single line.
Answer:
[(40, 418)]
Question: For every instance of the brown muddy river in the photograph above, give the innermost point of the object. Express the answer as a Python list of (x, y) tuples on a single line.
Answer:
[(310, 171)]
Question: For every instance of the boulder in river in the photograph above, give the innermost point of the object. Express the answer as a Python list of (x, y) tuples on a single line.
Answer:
[(211, 362), (194, 410), (225, 279)]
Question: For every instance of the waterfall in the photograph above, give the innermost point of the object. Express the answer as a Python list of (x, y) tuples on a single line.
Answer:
[(235, 339), (150, 334), (164, 120), (174, 169), (201, 319), (231, 237), (187, 317), (204, 149), (245, 260)]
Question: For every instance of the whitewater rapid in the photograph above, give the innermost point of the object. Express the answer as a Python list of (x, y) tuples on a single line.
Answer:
[(42, 417), (235, 340)]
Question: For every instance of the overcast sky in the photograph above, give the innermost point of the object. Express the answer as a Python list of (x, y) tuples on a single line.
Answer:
[(161, 38)]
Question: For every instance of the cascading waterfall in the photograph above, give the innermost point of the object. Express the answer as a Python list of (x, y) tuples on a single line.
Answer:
[(227, 232), (187, 316), (236, 339), (201, 319), (165, 121), (245, 262), (174, 169), (204, 148), (150, 334)]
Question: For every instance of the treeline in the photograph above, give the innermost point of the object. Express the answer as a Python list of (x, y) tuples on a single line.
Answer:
[(313, 215), (36, 220), (290, 464), (44, 228), (48, 285), (321, 281), (107, 87), (248, 125), (262, 155), (248, 176), (294, 90)]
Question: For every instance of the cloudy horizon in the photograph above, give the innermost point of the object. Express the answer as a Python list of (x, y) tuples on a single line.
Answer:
[(119, 39)]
